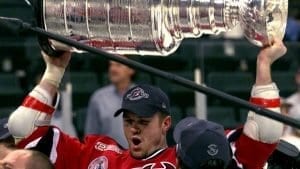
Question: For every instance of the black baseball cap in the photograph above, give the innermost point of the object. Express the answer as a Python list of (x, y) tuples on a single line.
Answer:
[(4, 133), (145, 101), (199, 141)]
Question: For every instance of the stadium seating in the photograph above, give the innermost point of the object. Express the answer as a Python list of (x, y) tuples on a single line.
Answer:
[(6, 111), (11, 93), (79, 121), (144, 78), (212, 58), (285, 82), (222, 115), (170, 63), (83, 85), (236, 83), (179, 95), (176, 115)]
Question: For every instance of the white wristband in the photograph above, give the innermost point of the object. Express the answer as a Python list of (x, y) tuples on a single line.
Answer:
[(53, 74), (269, 91)]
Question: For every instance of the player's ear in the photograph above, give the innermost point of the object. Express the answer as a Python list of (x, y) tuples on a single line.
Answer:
[(166, 123)]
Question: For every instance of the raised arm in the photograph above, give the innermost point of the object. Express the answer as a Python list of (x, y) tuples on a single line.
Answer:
[(261, 134), (266, 94), (38, 107)]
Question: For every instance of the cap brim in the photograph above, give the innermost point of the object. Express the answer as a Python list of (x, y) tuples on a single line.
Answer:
[(4, 136), (138, 109), (4, 133), (120, 111), (137, 112), (287, 148)]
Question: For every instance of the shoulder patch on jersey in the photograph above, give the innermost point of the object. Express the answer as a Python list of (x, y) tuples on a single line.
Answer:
[(107, 147), (99, 163)]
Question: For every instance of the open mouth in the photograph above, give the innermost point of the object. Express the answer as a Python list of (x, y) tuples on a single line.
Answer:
[(136, 141)]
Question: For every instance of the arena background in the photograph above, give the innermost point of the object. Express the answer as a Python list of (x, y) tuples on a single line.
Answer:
[(227, 64)]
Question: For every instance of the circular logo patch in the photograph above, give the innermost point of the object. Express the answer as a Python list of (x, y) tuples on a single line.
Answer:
[(99, 163), (212, 150)]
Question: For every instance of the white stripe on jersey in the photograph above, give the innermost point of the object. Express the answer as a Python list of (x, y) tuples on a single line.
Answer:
[(154, 154), (233, 148), (53, 154), (33, 143)]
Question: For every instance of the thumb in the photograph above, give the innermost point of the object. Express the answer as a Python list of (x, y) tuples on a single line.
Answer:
[(278, 48)]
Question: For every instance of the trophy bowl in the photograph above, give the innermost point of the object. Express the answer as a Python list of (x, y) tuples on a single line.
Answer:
[(263, 20)]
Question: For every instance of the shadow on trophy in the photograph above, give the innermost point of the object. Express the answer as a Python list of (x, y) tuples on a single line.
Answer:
[(156, 27)]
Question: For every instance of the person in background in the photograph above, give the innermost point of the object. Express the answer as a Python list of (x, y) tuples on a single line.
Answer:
[(292, 135), (106, 101), (285, 106), (201, 144), (293, 26), (294, 103), (294, 99)]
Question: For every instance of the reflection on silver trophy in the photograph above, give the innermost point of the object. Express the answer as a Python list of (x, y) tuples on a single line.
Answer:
[(157, 27)]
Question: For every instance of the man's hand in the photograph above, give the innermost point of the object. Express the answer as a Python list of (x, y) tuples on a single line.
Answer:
[(61, 61), (267, 56), (55, 69)]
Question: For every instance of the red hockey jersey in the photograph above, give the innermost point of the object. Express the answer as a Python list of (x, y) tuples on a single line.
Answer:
[(96, 152), (101, 152)]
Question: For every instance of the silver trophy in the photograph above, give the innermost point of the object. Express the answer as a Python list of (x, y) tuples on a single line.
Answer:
[(157, 27)]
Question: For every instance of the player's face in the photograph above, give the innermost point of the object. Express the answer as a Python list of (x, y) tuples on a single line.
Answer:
[(4, 150), (16, 159), (119, 73), (145, 135)]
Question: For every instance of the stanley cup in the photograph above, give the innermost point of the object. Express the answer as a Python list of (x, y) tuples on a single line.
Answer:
[(157, 27)]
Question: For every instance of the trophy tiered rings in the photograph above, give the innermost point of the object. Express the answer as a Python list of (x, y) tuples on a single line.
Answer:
[(157, 27)]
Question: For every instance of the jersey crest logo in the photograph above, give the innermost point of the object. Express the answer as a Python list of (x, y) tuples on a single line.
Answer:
[(99, 163), (137, 94), (163, 165), (105, 147), (212, 150)]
